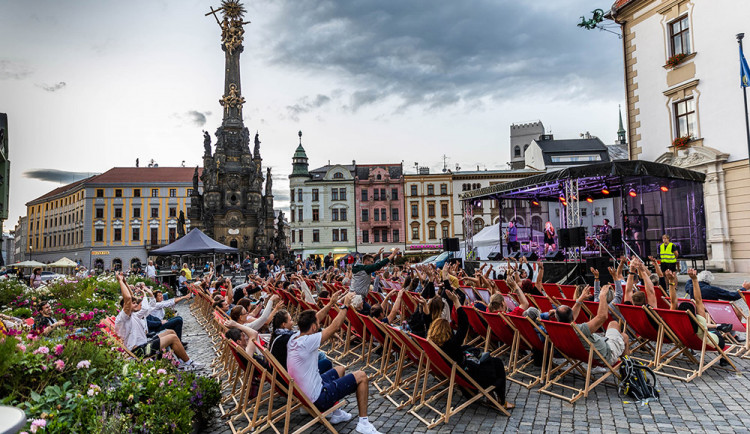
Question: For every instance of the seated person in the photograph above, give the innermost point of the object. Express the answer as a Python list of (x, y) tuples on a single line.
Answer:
[(155, 319), (245, 337), (491, 372), (710, 292), (130, 325), (613, 344), (182, 283), (282, 329), (377, 311), (45, 323), (639, 298), (330, 387), (498, 303)]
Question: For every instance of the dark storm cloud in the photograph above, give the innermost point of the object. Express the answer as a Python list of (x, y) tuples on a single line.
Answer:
[(54, 175), (197, 118), (438, 53), (52, 87), (10, 70), (306, 104)]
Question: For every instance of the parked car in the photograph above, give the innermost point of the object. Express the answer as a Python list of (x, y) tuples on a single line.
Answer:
[(50, 275), (439, 260)]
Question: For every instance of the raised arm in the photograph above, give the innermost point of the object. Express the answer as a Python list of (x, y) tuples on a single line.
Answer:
[(672, 284), (620, 267), (539, 276), (657, 267), (323, 313), (650, 294), (263, 318), (127, 297), (252, 334), (700, 309), (576, 310), (628, 296), (602, 312), (396, 306), (339, 320)]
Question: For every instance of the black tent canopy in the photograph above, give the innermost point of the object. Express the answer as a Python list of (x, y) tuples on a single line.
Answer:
[(195, 242)]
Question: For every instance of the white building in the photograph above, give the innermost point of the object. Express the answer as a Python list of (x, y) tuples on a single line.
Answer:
[(682, 81), (321, 214)]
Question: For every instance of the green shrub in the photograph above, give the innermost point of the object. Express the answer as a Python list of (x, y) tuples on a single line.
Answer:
[(21, 312), (10, 290)]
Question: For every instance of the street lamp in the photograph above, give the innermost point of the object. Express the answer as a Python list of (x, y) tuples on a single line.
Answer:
[(31, 250)]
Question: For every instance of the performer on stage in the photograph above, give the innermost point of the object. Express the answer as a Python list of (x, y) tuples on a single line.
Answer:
[(549, 238), (604, 231), (512, 236), (668, 254)]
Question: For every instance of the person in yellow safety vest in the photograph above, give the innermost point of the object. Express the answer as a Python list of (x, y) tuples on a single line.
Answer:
[(668, 254)]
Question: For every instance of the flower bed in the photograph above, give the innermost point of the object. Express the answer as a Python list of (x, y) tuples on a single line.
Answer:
[(73, 380)]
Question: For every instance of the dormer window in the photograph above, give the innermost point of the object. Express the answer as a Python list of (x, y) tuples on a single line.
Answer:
[(338, 175), (379, 177)]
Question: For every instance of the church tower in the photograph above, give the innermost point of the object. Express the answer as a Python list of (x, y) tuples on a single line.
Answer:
[(232, 208)]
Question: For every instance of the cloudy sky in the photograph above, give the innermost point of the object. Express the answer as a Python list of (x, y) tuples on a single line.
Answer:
[(89, 85)]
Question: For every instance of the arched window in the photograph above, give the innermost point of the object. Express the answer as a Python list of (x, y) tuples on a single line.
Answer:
[(135, 263), (478, 225), (99, 265), (517, 151), (536, 223), (117, 264), (233, 243), (379, 177), (338, 175)]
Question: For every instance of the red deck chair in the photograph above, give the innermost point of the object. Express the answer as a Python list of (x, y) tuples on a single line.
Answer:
[(502, 286), (410, 355), (478, 325), (483, 294), (471, 296), (527, 338), (592, 307), (722, 312), (582, 315), (746, 297), (553, 290), (543, 303), (648, 336), (568, 291), (679, 323), (374, 334), (248, 373), (662, 299), (449, 376), (567, 339), (410, 303), (355, 330)]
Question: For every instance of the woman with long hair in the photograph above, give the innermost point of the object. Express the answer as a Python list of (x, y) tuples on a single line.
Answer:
[(35, 280), (549, 238)]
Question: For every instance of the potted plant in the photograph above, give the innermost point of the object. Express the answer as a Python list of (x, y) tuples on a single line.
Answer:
[(681, 142), (675, 60)]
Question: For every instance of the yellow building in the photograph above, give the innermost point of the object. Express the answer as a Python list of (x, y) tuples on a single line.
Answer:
[(428, 200), (109, 220)]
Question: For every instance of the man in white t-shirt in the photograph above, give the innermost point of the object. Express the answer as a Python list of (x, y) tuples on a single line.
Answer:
[(151, 270), (130, 325), (330, 387)]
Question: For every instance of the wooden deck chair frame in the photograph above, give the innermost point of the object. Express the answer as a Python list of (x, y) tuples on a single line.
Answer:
[(449, 376), (478, 326), (645, 338), (746, 297), (295, 399), (410, 355), (552, 290), (498, 332), (677, 323), (374, 334), (525, 336), (568, 340), (263, 398), (723, 312)]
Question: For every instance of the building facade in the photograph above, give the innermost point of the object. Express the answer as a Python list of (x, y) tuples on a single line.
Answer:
[(547, 154), (9, 247), (321, 216), (521, 135), (19, 234), (429, 205), (4, 170), (682, 84), (110, 221), (379, 198)]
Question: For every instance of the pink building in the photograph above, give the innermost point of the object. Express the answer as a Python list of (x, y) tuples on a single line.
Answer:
[(379, 204)]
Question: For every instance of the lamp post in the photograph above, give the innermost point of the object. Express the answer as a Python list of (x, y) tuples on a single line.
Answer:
[(740, 36), (31, 251)]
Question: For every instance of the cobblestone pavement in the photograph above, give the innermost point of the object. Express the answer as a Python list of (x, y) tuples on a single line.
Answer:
[(718, 402)]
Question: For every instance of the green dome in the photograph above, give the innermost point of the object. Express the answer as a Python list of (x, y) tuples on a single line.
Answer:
[(300, 152)]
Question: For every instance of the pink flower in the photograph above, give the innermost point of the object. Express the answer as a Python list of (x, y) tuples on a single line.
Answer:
[(21, 347), (36, 424), (41, 350), (83, 364), (170, 381), (59, 365), (161, 371), (59, 349), (44, 367)]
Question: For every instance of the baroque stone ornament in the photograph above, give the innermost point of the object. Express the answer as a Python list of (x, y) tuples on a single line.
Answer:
[(233, 100)]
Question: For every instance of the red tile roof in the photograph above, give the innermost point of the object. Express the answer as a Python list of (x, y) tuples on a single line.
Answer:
[(127, 175), (620, 3)]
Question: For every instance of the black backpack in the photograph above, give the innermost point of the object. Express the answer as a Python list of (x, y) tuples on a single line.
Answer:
[(635, 380)]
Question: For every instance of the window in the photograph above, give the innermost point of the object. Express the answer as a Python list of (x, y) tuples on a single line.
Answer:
[(344, 237), (292, 216), (431, 232), (430, 190), (575, 158), (172, 192), (443, 209), (294, 233), (382, 194), (395, 236), (315, 195), (364, 195), (414, 210), (299, 195), (383, 214), (379, 177), (301, 236), (517, 151), (584, 212), (365, 236), (342, 194), (154, 236), (394, 194), (99, 214), (334, 194), (415, 232), (334, 235), (118, 213), (136, 234), (338, 175), (443, 189), (99, 193), (118, 234), (173, 212), (413, 190), (291, 195), (365, 215), (431, 210), (334, 214), (118, 192), (316, 215), (604, 210), (299, 215), (679, 32), (478, 225), (376, 215), (445, 231), (316, 236), (172, 234), (685, 117), (376, 236), (394, 214), (154, 192), (342, 215), (189, 191), (385, 236), (136, 213), (154, 213), (376, 194), (99, 235)]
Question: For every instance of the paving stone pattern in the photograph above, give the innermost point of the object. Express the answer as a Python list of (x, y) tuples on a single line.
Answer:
[(718, 402)]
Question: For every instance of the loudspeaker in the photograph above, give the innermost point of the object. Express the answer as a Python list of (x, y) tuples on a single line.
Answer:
[(450, 244), (530, 256), (615, 238), (458, 261), (600, 264), (578, 236), (495, 256), (563, 238), (555, 255)]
